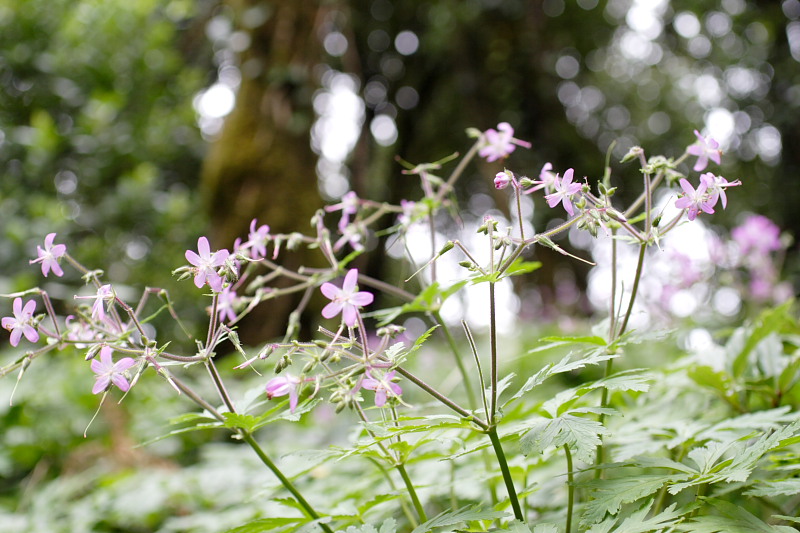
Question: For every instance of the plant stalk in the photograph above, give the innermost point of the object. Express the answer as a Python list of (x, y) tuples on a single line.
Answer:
[(501, 459)]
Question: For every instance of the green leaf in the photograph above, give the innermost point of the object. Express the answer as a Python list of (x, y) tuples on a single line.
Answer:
[(608, 496), (592, 339), (428, 301), (638, 522), (734, 519), (236, 420), (769, 321), (389, 526), (267, 524), (421, 340), (579, 433), (453, 517), (781, 487), (519, 266), (567, 364)]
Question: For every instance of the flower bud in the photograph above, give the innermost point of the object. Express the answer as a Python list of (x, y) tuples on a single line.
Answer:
[(502, 180)]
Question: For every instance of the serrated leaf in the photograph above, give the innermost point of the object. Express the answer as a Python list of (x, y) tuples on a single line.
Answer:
[(608, 496), (769, 321), (388, 526), (639, 523), (453, 517), (741, 464), (734, 519), (421, 340), (567, 364), (566, 339), (236, 420), (429, 300), (520, 266), (782, 487), (581, 434), (267, 524)]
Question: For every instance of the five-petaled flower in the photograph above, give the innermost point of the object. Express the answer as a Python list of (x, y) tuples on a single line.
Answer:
[(110, 372), (715, 187), (22, 322), (49, 256), (104, 294), (346, 300), (206, 265), (226, 305), (704, 149), (564, 191), (283, 385), (384, 387), (499, 143), (547, 180), (257, 240), (348, 206), (695, 200)]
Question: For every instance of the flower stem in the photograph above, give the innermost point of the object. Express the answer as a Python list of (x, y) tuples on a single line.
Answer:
[(471, 399), (501, 459), (570, 488), (310, 512), (412, 492)]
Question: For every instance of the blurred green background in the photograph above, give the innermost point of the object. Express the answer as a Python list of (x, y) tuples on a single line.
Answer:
[(131, 128)]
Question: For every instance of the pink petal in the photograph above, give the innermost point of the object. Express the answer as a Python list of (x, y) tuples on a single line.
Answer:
[(30, 333), (193, 258), (362, 298), (380, 397), (203, 247), (200, 279), (29, 308), (17, 305), (349, 314), (567, 179), (101, 384), (15, 336), (120, 381), (350, 280), (332, 309), (330, 290)]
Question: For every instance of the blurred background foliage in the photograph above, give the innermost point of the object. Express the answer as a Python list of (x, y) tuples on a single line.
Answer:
[(113, 131)]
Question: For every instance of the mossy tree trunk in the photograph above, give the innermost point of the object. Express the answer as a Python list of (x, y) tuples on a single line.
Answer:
[(262, 165)]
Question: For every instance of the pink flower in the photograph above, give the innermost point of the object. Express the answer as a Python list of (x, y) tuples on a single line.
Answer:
[(104, 294), (383, 387), (695, 200), (410, 210), (283, 385), (226, 303), (207, 264), (715, 187), (348, 206), (499, 143), (22, 322), (346, 300), (547, 180), (352, 234), (257, 240), (50, 255), (757, 234), (110, 372), (564, 191), (704, 149)]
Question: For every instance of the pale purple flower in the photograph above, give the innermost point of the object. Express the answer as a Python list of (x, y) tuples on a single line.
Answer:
[(206, 265), (346, 300), (715, 187), (695, 200), (226, 303), (704, 149), (503, 180), (384, 387), (547, 180), (257, 240), (564, 191), (499, 143), (352, 234), (104, 294), (110, 372), (79, 332), (22, 322), (283, 385), (50, 255), (407, 215), (348, 206), (757, 234)]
